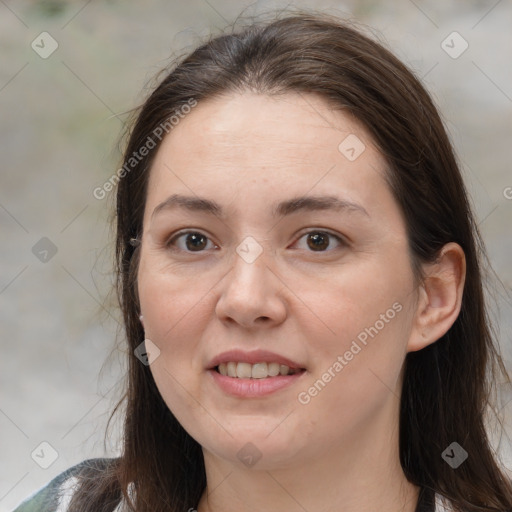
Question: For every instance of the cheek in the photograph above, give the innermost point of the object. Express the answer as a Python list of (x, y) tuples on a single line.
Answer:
[(174, 317), (175, 313), (168, 301), (362, 337), (367, 302)]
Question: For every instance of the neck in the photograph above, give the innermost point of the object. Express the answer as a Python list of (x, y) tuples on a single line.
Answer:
[(361, 474)]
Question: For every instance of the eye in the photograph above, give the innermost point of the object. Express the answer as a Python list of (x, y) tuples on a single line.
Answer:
[(318, 241), (194, 241)]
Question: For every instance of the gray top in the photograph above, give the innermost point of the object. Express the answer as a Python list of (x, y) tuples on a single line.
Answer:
[(56, 495)]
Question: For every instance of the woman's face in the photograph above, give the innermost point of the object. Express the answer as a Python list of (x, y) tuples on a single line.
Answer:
[(275, 274)]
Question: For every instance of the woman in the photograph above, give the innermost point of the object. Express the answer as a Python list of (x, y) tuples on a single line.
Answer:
[(296, 247)]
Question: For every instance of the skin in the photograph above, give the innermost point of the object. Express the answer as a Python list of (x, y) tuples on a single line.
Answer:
[(340, 450)]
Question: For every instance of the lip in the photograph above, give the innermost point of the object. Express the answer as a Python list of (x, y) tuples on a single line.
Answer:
[(252, 357), (253, 388)]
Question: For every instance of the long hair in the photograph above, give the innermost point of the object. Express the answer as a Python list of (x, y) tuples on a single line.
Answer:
[(447, 385)]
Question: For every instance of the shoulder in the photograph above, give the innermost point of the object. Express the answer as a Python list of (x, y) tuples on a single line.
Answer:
[(55, 496)]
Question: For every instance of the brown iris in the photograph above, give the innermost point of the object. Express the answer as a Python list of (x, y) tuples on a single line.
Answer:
[(318, 241)]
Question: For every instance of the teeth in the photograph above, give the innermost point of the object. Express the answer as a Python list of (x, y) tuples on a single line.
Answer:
[(231, 369), (254, 371), (273, 369), (243, 370), (258, 370)]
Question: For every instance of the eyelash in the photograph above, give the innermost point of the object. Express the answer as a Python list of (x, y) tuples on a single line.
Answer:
[(170, 243)]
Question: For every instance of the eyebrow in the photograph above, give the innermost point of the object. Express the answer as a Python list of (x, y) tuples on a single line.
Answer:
[(284, 208)]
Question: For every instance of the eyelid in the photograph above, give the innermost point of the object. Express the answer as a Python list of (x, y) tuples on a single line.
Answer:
[(343, 241), (340, 238), (168, 243)]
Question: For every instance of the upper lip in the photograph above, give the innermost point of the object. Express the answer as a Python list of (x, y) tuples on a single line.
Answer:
[(252, 357)]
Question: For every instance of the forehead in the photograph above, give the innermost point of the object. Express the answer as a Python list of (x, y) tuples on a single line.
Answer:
[(291, 125), (250, 146)]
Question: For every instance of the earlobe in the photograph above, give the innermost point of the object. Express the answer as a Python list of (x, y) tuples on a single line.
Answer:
[(141, 318), (440, 297)]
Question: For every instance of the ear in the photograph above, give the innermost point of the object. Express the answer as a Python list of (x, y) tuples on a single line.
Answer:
[(141, 318), (440, 297)]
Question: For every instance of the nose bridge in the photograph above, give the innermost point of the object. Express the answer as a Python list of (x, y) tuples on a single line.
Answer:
[(251, 264), (249, 291), (250, 250)]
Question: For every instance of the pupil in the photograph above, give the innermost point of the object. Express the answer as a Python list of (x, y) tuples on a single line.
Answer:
[(317, 239), (195, 237)]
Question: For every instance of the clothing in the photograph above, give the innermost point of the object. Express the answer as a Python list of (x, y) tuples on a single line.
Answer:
[(56, 495)]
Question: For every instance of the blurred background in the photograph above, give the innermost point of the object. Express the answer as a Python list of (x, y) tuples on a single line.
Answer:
[(69, 70)]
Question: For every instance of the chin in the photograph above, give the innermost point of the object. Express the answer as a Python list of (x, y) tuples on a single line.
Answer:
[(255, 448)]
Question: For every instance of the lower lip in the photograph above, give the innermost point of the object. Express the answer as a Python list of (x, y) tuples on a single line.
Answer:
[(248, 388)]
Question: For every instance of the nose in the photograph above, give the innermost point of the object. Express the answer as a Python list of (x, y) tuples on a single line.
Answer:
[(250, 293)]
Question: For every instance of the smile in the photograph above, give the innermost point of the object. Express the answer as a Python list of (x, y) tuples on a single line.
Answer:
[(255, 371), (254, 387)]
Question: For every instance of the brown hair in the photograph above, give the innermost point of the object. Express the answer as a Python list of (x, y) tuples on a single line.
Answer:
[(447, 385)]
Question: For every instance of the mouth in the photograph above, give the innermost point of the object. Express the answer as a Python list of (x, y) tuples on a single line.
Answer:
[(261, 370), (253, 374), (253, 381)]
